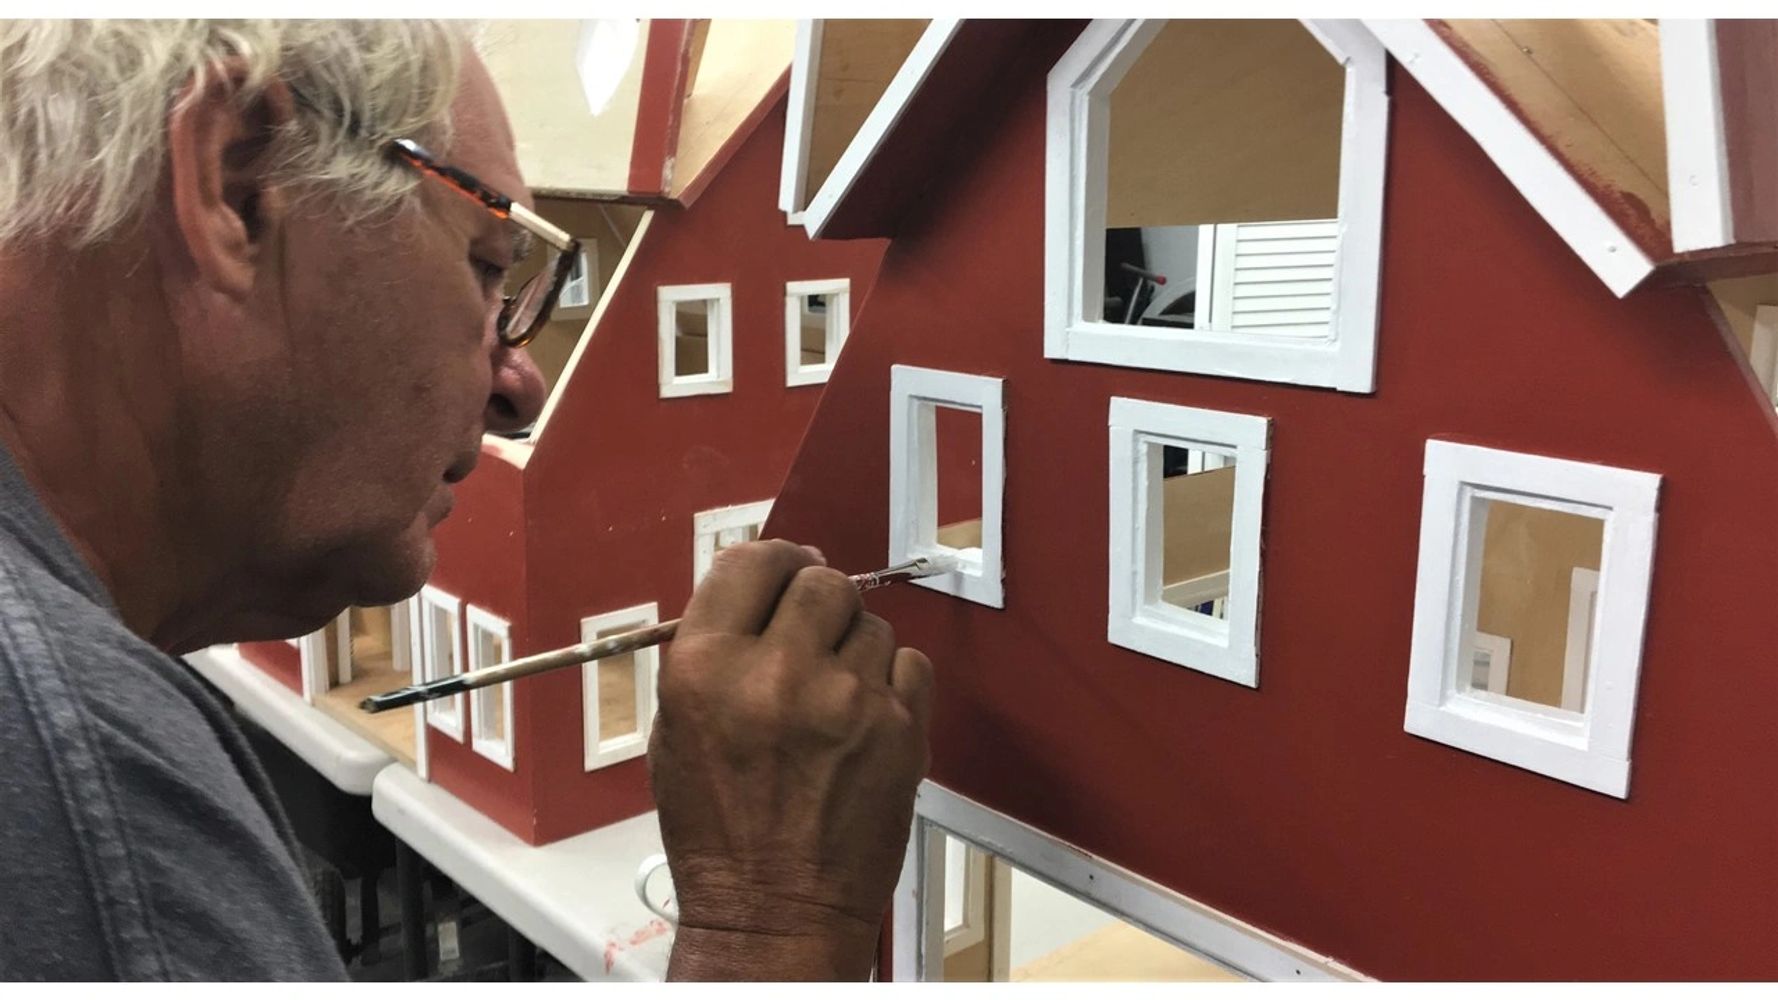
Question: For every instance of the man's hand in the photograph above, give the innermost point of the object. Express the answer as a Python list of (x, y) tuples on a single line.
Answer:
[(791, 735)]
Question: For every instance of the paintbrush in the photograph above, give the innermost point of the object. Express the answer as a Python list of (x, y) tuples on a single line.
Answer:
[(615, 645)]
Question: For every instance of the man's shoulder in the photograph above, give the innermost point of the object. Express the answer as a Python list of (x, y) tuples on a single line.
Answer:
[(136, 842)]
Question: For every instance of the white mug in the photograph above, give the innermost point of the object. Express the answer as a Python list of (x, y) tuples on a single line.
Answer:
[(667, 908)]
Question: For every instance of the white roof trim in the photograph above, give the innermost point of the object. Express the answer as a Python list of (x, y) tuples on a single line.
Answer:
[(1697, 157), (881, 121), (799, 119), (1531, 168)]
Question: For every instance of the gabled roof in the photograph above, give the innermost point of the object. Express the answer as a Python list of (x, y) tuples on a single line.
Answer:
[(1570, 111)]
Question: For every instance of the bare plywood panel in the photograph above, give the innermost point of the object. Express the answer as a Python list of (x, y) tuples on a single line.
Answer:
[(856, 61), (1197, 514), (738, 63), (392, 731), (1122, 954), (1591, 90), (562, 145), (1226, 121)]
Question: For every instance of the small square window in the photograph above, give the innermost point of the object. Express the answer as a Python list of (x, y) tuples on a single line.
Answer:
[(1529, 608), (947, 436), (715, 530), (490, 643), (696, 340), (618, 691), (441, 655), (1187, 496), (817, 316)]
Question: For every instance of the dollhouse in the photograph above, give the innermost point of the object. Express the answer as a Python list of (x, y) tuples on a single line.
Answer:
[(684, 365), (1357, 441)]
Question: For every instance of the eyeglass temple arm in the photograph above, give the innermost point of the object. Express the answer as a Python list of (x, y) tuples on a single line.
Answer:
[(541, 227)]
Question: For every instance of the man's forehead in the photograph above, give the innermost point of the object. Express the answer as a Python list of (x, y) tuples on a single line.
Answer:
[(481, 134)]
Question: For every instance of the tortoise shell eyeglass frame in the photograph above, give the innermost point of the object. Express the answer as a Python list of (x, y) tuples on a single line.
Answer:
[(522, 315)]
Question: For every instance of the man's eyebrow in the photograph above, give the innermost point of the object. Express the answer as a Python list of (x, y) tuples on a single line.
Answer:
[(522, 242)]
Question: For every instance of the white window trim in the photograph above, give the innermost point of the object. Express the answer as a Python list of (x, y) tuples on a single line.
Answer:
[(416, 659), (434, 600), (1076, 164), (913, 472), (1590, 749), (721, 377), (839, 324), (919, 912), (1138, 620), (602, 752), (497, 749), (706, 525)]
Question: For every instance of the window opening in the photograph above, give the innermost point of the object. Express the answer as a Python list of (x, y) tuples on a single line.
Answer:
[(816, 319), (696, 340), (947, 459), (1529, 606), (1212, 220), (490, 643), (1187, 501), (1005, 925), (715, 530), (618, 691), (441, 655), (1198, 510), (1529, 555)]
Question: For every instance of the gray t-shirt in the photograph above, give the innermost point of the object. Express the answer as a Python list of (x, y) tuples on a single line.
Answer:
[(139, 838)]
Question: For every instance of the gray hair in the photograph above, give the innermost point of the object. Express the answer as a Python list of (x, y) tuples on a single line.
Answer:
[(84, 107)]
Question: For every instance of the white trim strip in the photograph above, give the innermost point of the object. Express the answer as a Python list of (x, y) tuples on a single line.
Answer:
[(1216, 936), (1698, 195)]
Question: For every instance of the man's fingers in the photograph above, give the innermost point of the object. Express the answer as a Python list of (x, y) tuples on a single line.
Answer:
[(869, 648), (743, 587), (911, 679), (817, 610)]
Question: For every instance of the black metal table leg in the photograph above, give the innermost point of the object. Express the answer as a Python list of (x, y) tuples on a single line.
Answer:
[(409, 883), (370, 919), (521, 957)]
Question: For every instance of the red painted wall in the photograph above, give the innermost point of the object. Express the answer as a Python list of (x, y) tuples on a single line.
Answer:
[(481, 549), (279, 659), (1302, 806), (609, 493)]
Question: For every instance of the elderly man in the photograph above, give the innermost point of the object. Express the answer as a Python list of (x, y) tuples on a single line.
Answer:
[(251, 332)]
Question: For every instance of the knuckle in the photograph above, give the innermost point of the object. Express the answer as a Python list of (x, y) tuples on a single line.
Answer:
[(823, 587)]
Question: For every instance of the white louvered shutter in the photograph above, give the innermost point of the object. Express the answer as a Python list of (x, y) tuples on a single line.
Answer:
[(1271, 278)]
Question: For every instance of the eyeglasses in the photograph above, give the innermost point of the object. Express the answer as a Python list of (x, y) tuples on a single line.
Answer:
[(522, 314)]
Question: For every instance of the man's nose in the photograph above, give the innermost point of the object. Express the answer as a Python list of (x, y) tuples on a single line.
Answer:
[(516, 397)]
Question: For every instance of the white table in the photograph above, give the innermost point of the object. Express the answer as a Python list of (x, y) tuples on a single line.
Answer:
[(343, 757), (574, 898)]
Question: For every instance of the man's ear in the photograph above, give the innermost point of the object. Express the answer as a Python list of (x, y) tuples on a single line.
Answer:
[(225, 204)]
